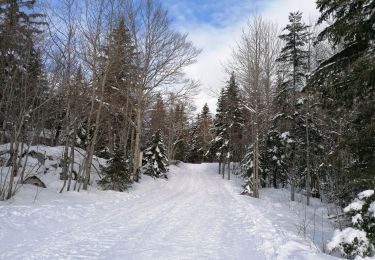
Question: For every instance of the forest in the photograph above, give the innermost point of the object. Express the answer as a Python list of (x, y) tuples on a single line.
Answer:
[(104, 82)]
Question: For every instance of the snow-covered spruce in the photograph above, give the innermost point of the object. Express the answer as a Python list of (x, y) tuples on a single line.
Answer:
[(196, 152), (247, 168), (359, 238), (155, 159)]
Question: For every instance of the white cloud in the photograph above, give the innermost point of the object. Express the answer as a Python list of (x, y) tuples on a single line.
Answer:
[(216, 49), (216, 42)]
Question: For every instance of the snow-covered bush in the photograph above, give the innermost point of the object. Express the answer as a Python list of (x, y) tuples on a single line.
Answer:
[(155, 159), (117, 173), (359, 239)]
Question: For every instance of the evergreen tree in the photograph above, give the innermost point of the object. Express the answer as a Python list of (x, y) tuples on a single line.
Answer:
[(294, 54), (218, 144), (180, 128), (196, 151), (247, 165), (155, 159), (158, 115), (21, 78), (227, 144), (289, 121), (345, 82), (233, 119), (119, 54), (21, 75), (117, 173), (201, 137), (273, 160), (359, 238), (205, 129), (228, 123)]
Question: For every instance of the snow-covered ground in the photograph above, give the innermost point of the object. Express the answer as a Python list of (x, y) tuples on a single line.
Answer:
[(195, 214)]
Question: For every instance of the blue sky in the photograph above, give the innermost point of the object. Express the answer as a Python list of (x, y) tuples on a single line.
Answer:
[(214, 27), (216, 13)]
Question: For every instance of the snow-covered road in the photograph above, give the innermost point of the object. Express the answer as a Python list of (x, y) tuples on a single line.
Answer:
[(193, 215)]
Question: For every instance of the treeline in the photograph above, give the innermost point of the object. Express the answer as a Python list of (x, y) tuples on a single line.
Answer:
[(298, 109), (298, 112), (86, 74)]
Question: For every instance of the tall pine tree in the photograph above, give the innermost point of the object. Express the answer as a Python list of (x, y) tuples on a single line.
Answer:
[(227, 144), (205, 128), (289, 121), (21, 75), (218, 146), (233, 117), (196, 151)]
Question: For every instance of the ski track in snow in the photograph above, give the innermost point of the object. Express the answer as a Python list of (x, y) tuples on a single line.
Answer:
[(193, 215)]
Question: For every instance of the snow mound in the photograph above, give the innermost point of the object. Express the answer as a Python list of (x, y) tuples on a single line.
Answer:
[(349, 236), (365, 194), (354, 206), (346, 236)]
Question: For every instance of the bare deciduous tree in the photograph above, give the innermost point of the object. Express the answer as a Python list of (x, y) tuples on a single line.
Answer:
[(162, 55), (254, 61)]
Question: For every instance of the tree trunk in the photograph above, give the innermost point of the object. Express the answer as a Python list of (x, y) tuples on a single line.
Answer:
[(256, 183), (137, 144), (274, 179), (223, 169), (292, 192), (91, 147), (14, 154), (308, 175), (71, 159), (228, 169), (65, 160)]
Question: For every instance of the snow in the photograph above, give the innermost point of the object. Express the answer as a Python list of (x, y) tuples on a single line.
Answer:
[(300, 101), (285, 136), (357, 219), (50, 163), (195, 214), (347, 236), (372, 208), (354, 206), (218, 138), (365, 194), (358, 203)]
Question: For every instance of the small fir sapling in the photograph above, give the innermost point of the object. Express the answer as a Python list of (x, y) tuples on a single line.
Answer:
[(117, 173), (155, 159)]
